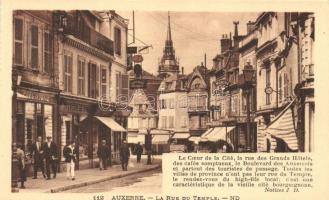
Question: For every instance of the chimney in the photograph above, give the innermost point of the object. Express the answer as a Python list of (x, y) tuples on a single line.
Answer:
[(250, 26), (225, 43), (182, 70), (236, 32)]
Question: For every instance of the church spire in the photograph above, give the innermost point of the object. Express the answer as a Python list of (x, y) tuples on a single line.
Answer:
[(168, 64), (169, 28)]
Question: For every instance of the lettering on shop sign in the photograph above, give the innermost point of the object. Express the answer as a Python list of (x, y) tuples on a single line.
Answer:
[(37, 96)]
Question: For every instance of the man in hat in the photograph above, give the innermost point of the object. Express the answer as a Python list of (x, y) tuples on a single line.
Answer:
[(103, 153), (37, 152), (124, 155), (50, 155)]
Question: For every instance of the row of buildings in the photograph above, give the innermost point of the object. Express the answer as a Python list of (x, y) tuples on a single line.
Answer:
[(68, 70), (257, 97)]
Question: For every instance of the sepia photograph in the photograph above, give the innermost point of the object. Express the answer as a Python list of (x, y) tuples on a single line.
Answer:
[(99, 96)]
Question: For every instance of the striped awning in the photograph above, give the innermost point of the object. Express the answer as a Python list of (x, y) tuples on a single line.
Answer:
[(160, 139), (181, 136), (135, 138), (283, 127)]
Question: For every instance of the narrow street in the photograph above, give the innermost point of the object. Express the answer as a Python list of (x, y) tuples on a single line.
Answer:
[(146, 182)]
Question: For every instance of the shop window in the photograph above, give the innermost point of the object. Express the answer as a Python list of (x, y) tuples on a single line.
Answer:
[(68, 132), (18, 49), (81, 75), (47, 52), (34, 47), (48, 120)]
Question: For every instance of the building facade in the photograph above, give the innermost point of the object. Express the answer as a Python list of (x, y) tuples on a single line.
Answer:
[(35, 78), (93, 81)]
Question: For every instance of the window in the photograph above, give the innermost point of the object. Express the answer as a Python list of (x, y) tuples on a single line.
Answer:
[(47, 52), (117, 41), (67, 71), (91, 80), (122, 87), (268, 84), (81, 75), (171, 121), (34, 47), (280, 88), (184, 124), (18, 42), (285, 85), (171, 103), (97, 87), (103, 81), (164, 121)]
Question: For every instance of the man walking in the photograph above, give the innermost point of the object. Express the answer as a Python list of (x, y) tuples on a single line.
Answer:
[(37, 152), (124, 155), (139, 151), (69, 154), (103, 154), (50, 155)]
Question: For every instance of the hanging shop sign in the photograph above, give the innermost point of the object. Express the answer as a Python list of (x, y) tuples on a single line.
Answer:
[(138, 58)]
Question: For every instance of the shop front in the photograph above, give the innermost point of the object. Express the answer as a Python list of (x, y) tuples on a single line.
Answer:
[(35, 116)]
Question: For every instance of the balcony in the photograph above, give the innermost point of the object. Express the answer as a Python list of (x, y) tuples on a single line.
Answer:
[(198, 109), (77, 27)]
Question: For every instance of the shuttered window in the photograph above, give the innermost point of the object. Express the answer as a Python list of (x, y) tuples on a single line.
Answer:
[(117, 41), (67, 71), (103, 81), (92, 74), (47, 52), (18, 59), (81, 75), (34, 47)]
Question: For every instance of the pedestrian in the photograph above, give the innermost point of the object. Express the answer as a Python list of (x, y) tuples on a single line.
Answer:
[(69, 154), (139, 151), (37, 152), (124, 155), (21, 164), (103, 154), (50, 155)]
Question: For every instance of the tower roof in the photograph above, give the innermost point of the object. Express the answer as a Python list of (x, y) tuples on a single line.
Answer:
[(168, 63)]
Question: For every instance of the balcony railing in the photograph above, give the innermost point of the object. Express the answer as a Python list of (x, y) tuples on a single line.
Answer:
[(197, 108), (82, 31)]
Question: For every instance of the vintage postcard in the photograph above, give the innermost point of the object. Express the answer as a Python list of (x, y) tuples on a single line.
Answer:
[(172, 101)]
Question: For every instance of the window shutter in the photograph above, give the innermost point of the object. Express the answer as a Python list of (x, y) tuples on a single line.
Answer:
[(124, 87)]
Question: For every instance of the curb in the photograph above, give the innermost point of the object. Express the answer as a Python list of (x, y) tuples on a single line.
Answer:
[(69, 187)]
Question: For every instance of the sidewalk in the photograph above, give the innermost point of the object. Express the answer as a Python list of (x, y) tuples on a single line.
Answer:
[(88, 177)]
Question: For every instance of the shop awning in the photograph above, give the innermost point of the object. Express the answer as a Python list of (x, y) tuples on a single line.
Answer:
[(160, 139), (159, 132), (282, 127), (204, 135), (218, 133), (113, 125), (194, 139), (181, 136), (135, 138)]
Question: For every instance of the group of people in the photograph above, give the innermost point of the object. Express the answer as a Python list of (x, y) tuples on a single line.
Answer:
[(103, 154), (40, 152), (47, 153)]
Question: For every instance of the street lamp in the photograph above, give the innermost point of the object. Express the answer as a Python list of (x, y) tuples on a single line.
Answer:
[(247, 82)]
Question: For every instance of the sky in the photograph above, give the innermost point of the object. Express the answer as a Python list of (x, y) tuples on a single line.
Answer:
[(194, 34)]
